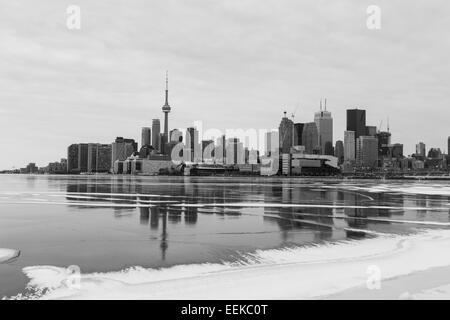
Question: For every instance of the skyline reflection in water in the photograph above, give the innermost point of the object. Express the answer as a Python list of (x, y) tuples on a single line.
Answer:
[(106, 223)]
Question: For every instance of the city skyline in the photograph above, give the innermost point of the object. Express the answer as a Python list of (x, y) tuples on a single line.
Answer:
[(94, 84)]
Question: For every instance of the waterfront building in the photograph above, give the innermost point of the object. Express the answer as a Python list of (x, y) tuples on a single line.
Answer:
[(384, 143), (396, 150), (367, 152), (271, 142), (356, 122), (146, 137), (83, 155), (310, 137), (192, 151), (349, 146), (103, 158), (420, 150), (235, 152), (435, 153), (298, 134), (324, 123), (72, 158), (92, 157), (286, 134), (121, 149), (156, 131), (207, 150), (339, 151)]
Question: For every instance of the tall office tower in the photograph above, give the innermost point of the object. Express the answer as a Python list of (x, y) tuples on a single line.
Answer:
[(367, 151), (146, 137), (324, 123), (192, 148), (448, 146), (298, 134), (356, 122), (420, 150), (92, 157), (83, 157), (384, 142), (286, 134), (176, 135), (207, 150), (396, 150), (235, 151), (310, 137), (339, 151), (156, 130), (121, 149), (72, 158), (349, 146), (166, 110), (220, 150), (271, 142), (103, 157), (371, 131)]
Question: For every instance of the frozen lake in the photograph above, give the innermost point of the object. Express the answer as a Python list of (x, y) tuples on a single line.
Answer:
[(105, 224)]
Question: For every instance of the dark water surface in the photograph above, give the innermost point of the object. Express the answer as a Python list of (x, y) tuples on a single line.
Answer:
[(107, 223)]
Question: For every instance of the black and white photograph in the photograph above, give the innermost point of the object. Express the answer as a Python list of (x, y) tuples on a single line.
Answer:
[(224, 150)]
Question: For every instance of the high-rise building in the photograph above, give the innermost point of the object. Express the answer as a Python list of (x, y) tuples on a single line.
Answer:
[(192, 152), (286, 134), (156, 130), (324, 123), (435, 153), (310, 138), (72, 158), (420, 150), (298, 134), (349, 146), (166, 110), (271, 142), (396, 150), (121, 149), (92, 157), (384, 142), (371, 131), (83, 155), (207, 149), (448, 146), (235, 151), (103, 162), (146, 137), (339, 151), (220, 150), (356, 122), (367, 151)]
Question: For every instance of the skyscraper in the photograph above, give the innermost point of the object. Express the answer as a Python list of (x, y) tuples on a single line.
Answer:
[(286, 134), (156, 130), (349, 146), (448, 146), (310, 138), (146, 137), (192, 145), (122, 149), (83, 154), (367, 151), (166, 110), (324, 123), (356, 122), (176, 135), (298, 134), (92, 157), (72, 158), (421, 150), (339, 151), (103, 156)]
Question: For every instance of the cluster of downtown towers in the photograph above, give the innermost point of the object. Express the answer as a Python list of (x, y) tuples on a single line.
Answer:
[(363, 145)]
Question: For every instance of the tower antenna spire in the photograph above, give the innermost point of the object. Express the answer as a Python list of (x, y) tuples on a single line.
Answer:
[(320, 104), (325, 104), (167, 88)]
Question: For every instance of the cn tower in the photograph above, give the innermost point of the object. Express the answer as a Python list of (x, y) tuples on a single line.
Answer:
[(166, 110)]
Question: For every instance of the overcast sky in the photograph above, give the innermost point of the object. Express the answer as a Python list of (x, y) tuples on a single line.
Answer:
[(232, 64)]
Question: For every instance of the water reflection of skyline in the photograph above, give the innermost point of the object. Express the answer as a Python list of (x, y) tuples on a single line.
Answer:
[(348, 214)]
